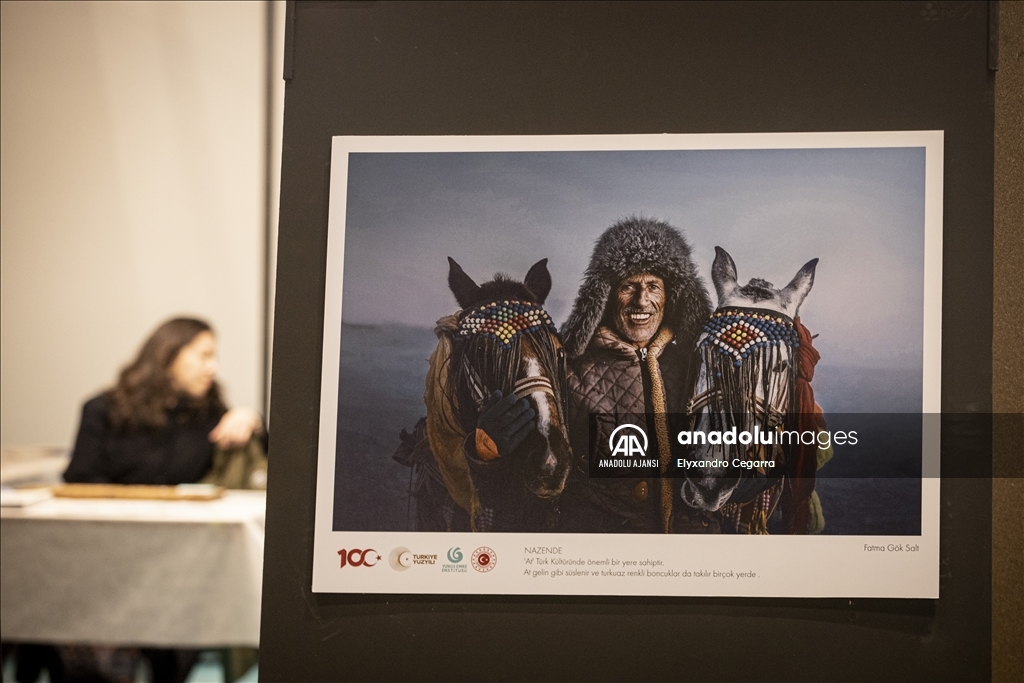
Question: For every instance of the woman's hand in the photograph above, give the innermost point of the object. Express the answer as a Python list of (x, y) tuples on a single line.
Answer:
[(236, 427)]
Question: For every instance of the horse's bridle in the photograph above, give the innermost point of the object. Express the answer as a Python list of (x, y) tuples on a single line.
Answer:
[(529, 385), (521, 388)]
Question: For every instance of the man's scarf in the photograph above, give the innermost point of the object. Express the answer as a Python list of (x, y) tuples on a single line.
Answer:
[(659, 409)]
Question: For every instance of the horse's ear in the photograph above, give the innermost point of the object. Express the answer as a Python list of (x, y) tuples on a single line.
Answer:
[(723, 274), (538, 280), (796, 291), (465, 290)]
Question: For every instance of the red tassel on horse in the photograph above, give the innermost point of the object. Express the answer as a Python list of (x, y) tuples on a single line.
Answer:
[(802, 461)]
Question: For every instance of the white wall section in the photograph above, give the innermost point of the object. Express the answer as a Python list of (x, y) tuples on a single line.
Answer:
[(133, 138)]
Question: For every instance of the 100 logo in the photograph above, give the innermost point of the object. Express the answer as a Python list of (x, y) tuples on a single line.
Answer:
[(358, 558)]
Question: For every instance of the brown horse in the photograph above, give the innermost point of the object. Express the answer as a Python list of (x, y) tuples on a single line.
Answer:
[(502, 340)]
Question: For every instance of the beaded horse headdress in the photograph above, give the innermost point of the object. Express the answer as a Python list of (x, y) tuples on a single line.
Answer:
[(743, 350), (487, 352), (504, 320), (738, 332)]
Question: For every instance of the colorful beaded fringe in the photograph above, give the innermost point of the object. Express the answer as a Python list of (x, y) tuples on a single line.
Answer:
[(738, 332), (504, 320)]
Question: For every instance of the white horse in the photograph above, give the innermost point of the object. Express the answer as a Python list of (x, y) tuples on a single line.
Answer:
[(746, 380)]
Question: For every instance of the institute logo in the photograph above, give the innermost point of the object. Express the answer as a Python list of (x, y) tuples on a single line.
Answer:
[(455, 564), (628, 440), (400, 559), (484, 559), (358, 557)]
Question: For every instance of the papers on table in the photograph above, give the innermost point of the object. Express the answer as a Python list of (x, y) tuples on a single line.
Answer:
[(20, 498)]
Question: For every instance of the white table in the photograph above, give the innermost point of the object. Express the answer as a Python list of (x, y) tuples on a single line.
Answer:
[(133, 572)]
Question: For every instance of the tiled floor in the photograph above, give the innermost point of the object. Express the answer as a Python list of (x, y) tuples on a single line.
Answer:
[(207, 670)]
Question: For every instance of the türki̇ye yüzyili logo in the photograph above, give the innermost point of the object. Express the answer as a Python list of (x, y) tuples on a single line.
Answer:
[(358, 557), (400, 559)]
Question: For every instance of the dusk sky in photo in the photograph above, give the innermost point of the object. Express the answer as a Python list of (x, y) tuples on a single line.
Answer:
[(860, 211)]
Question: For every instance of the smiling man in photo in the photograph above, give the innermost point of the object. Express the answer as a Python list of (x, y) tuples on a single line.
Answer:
[(628, 340)]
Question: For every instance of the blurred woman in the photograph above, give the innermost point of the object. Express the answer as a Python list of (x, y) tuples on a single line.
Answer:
[(159, 424), (161, 421)]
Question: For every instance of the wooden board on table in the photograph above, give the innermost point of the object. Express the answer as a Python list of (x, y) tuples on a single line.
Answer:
[(140, 492)]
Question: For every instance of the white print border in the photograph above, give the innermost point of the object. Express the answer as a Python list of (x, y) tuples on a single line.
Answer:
[(784, 566), (704, 565)]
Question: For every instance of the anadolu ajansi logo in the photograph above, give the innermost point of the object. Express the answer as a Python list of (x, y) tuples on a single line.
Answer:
[(484, 559), (400, 559), (625, 442), (358, 558)]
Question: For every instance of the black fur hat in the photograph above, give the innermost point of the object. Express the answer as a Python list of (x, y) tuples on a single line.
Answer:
[(631, 246)]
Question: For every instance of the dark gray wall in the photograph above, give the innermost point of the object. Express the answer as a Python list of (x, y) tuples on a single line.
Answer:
[(562, 68)]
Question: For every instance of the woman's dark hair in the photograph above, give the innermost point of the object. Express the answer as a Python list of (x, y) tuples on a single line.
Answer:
[(144, 394)]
